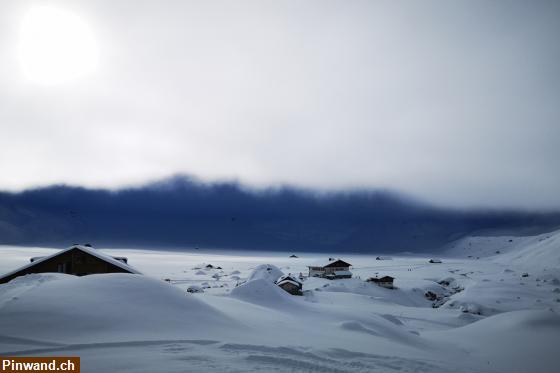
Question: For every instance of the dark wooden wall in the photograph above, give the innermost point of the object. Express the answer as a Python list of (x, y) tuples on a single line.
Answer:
[(74, 262)]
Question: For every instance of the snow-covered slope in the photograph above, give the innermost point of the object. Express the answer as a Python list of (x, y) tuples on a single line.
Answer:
[(509, 273), (532, 252), (497, 313), (517, 341), (107, 307)]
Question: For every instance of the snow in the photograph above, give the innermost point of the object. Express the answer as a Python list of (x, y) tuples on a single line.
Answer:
[(267, 272), (263, 293), (104, 307), (517, 341), (487, 318), (285, 277)]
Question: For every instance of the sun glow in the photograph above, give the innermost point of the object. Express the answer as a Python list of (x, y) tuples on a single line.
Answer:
[(56, 46)]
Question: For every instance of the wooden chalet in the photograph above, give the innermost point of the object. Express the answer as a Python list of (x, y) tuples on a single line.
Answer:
[(333, 269), (385, 281), (76, 260)]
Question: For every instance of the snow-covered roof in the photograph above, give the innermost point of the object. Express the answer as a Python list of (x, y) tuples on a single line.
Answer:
[(295, 283), (382, 279), (289, 278), (387, 278), (86, 249), (329, 263)]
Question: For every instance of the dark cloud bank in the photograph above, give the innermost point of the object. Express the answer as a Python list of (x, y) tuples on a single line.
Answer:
[(182, 213)]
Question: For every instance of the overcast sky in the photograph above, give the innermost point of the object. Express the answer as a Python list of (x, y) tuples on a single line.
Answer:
[(453, 102)]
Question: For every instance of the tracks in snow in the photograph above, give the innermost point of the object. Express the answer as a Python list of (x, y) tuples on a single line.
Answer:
[(184, 355)]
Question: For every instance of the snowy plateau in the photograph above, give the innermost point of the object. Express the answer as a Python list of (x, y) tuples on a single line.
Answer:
[(491, 305)]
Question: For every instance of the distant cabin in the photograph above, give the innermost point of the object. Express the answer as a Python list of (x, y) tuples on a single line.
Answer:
[(76, 260), (333, 269), (290, 284), (383, 258), (434, 261), (385, 281)]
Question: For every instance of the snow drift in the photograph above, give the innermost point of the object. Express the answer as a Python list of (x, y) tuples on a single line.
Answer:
[(507, 340), (267, 272), (260, 288), (104, 307)]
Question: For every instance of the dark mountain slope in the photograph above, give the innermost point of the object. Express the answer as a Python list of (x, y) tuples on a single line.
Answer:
[(180, 212)]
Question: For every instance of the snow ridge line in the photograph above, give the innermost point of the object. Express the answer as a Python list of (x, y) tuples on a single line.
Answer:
[(86, 346)]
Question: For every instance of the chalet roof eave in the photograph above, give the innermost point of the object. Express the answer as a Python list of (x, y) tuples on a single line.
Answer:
[(322, 264)]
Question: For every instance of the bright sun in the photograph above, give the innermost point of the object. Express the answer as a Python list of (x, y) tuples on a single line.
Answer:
[(56, 46)]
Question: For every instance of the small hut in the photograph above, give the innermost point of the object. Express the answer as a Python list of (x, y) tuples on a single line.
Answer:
[(290, 284), (385, 281)]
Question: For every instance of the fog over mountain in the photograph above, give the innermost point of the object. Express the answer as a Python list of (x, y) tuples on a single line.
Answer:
[(453, 102), (183, 213)]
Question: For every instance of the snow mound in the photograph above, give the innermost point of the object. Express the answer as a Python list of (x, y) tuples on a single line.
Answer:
[(517, 321), (470, 307), (409, 294), (357, 327), (391, 318), (14, 289), (267, 272), (503, 337), (105, 307), (382, 326), (263, 293)]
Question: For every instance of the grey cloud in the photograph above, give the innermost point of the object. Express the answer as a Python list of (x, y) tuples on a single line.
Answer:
[(455, 102)]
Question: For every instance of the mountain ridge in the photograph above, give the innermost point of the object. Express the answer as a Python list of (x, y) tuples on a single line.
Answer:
[(182, 212)]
